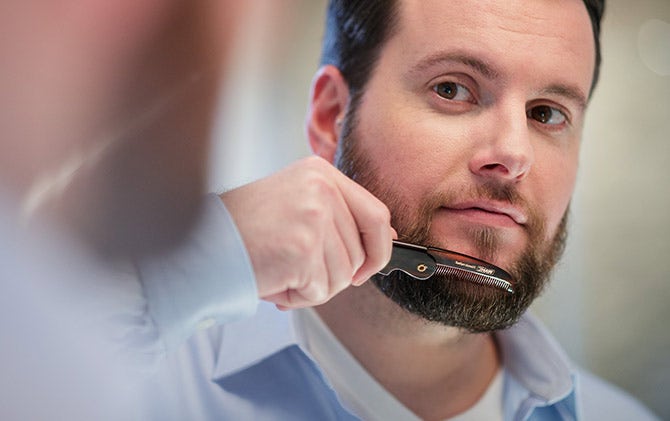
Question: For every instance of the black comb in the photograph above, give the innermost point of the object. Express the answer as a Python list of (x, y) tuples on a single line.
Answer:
[(421, 262)]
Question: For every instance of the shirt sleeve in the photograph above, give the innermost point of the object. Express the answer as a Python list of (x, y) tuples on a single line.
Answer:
[(207, 280)]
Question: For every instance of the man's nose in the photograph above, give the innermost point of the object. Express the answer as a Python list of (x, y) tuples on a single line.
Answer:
[(505, 151)]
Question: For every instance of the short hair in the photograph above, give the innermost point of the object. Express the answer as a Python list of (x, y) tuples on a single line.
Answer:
[(356, 31), (596, 9)]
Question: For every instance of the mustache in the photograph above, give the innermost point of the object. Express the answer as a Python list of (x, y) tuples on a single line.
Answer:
[(490, 190), (418, 229)]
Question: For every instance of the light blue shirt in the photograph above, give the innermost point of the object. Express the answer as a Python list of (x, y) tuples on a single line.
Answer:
[(208, 280), (79, 337), (52, 359), (255, 369)]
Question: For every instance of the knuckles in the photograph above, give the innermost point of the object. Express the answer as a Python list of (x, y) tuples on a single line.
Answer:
[(382, 215)]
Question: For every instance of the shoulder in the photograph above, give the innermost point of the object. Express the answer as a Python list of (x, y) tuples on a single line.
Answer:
[(602, 400)]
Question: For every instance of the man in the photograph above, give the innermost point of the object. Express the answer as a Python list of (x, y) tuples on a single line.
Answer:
[(105, 115), (465, 118)]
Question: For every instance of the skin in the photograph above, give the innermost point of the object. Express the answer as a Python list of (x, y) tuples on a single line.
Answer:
[(536, 53)]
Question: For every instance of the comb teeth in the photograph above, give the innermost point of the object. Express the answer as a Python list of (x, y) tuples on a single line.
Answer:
[(474, 277)]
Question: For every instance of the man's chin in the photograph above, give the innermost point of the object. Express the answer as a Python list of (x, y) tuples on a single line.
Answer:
[(455, 303)]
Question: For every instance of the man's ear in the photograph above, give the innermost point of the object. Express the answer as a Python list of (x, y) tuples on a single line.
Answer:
[(327, 108)]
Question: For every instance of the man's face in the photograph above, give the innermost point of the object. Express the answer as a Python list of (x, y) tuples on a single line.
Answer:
[(469, 130)]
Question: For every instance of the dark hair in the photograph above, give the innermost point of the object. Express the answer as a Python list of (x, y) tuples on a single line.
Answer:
[(596, 8), (356, 31)]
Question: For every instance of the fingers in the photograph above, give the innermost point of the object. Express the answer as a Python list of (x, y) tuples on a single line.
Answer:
[(338, 263), (373, 222), (326, 280), (351, 242), (310, 232)]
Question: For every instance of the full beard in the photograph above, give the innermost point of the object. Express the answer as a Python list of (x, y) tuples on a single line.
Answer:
[(449, 300)]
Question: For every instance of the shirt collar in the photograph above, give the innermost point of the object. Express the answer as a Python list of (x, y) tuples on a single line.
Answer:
[(529, 353), (534, 358), (249, 341)]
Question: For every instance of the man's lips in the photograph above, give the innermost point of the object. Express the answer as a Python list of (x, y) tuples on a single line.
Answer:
[(489, 213)]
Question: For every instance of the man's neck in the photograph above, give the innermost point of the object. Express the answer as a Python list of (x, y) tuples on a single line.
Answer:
[(420, 363)]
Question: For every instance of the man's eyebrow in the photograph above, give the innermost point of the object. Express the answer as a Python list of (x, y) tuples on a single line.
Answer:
[(572, 93), (480, 66)]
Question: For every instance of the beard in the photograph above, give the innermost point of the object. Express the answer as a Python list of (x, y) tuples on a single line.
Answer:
[(448, 300)]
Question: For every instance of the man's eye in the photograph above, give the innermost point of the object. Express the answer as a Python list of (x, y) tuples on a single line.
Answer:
[(453, 91), (546, 115)]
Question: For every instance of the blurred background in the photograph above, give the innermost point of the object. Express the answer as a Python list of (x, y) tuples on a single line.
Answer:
[(608, 301)]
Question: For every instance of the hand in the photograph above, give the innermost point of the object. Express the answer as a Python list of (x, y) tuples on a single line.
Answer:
[(310, 232)]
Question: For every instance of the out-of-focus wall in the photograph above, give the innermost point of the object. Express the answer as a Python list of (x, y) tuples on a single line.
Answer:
[(607, 303), (267, 94)]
